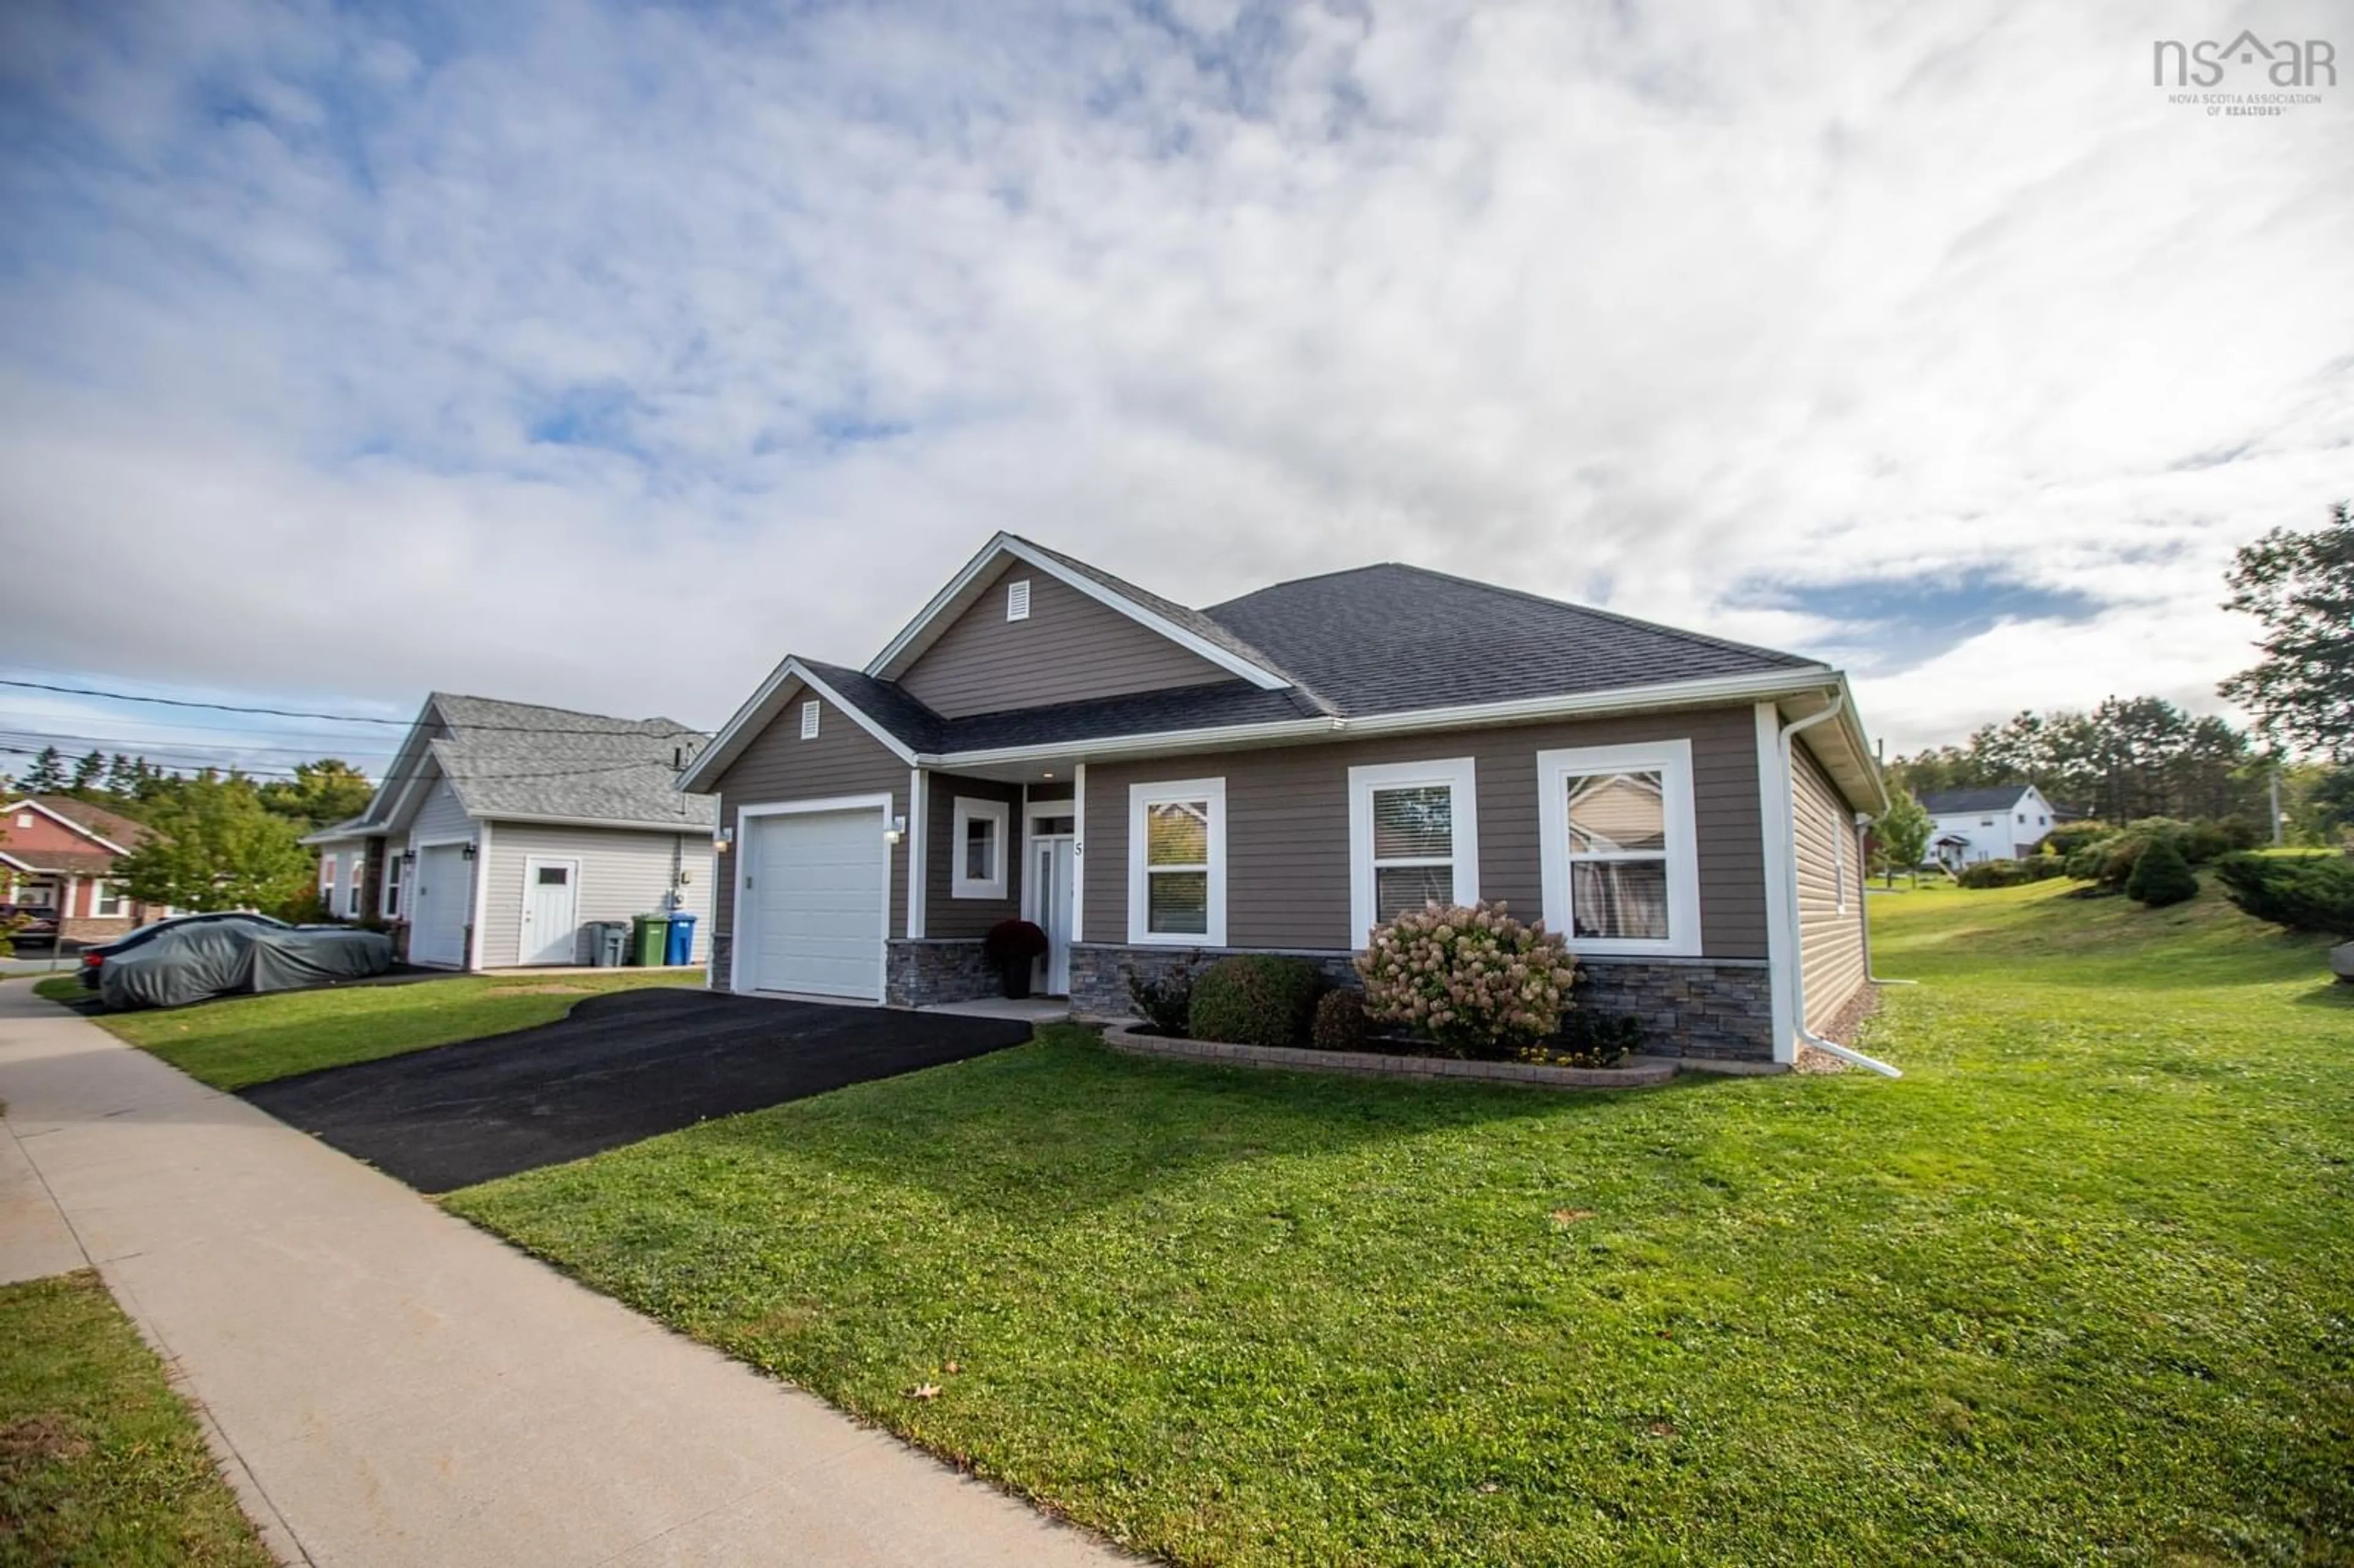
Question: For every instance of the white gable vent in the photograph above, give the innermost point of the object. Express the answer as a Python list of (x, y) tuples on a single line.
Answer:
[(809, 719), (1017, 600)]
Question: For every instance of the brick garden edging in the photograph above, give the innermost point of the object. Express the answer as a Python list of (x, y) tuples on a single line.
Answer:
[(1645, 1074)]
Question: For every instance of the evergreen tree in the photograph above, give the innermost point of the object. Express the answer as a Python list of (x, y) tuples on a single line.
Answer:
[(2161, 876), (121, 776), (88, 771), (47, 774)]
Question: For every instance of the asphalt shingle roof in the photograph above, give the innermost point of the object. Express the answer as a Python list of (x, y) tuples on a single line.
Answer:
[(519, 759), (106, 824), (1394, 638), (1376, 640), (1937, 803)]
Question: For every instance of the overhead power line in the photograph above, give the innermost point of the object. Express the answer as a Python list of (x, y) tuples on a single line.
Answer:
[(331, 718)]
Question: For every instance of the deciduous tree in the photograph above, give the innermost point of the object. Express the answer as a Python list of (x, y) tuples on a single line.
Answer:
[(213, 846), (2301, 587)]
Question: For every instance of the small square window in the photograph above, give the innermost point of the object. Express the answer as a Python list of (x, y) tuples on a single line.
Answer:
[(809, 719), (1017, 600), (554, 875)]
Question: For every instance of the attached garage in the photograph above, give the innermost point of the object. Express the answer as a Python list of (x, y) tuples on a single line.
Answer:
[(813, 902), (443, 901)]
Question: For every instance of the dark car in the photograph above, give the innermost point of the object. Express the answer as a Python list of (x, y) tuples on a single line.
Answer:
[(93, 960), (40, 923)]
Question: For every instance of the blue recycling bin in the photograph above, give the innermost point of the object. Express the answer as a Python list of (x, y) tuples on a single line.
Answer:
[(682, 938)]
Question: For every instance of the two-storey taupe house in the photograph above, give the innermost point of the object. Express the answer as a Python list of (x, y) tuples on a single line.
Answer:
[(1285, 771)]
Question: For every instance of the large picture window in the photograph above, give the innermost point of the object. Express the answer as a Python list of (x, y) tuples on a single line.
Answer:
[(1616, 829), (1414, 839), (1177, 862), (977, 839)]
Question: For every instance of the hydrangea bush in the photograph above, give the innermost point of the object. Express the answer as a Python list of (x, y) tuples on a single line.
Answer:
[(1476, 981)]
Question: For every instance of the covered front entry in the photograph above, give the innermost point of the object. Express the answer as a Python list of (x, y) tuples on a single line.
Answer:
[(813, 902), (445, 897)]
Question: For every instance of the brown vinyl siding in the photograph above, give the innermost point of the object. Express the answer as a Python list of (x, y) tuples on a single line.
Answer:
[(1288, 826), (779, 765), (944, 915), (1070, 648), (1830, 939)]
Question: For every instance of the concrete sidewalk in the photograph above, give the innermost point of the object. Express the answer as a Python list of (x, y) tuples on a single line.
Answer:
[(388, 1385)]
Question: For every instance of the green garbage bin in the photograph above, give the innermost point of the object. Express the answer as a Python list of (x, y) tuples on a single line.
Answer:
[(649, 934)]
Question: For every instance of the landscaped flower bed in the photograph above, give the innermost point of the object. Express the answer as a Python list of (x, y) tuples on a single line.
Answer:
[(1468, 986)]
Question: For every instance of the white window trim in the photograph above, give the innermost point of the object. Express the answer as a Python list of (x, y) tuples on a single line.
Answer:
[(809, 711), (388, 897), (1672, 760), (355, 877), (1140, 797), (100, 891), (327, 878), (968, 810), (1460, 775)]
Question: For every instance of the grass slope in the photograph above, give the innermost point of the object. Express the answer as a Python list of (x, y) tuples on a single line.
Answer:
[(101, 1463), (2079, 1286), (246, 1040)]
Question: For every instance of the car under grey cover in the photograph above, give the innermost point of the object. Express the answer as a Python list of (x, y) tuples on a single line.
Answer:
[(234, 960)]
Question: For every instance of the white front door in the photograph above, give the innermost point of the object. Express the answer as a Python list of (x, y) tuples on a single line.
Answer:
[(551, 911), (813, 902), (1052, 863), (445, 893)]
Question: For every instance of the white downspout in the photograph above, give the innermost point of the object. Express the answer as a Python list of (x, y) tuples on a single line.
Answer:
[(1798, 972), (1863, 820)]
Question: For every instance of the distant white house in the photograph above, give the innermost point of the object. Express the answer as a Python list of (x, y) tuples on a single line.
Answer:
[(1998, 823)]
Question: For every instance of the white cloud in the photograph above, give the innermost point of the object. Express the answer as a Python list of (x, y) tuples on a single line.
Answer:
[(1660, 305)]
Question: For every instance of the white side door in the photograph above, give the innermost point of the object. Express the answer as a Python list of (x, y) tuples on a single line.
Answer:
[(551, 911)]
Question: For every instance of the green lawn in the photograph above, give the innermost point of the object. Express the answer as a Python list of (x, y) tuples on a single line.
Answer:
[(101, 1463), (2080, 1285), (246, 1040)]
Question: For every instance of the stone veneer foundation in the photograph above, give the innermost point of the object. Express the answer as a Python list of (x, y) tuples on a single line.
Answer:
[(922, 972), (1716, 1008)]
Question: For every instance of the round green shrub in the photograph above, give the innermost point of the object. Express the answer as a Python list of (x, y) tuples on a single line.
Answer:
[(1256, 998), (1339, 1021), (2161, 876)]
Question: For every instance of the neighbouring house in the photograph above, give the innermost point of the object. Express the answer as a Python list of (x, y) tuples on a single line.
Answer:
[(502, 830), (2002, 822), (1282, 772), (58, 854)]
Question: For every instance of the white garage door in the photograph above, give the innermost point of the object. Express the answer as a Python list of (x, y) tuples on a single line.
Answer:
[(813, 903), (445, 895)]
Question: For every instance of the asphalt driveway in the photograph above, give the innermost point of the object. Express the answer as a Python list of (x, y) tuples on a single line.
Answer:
[(620, 1068)]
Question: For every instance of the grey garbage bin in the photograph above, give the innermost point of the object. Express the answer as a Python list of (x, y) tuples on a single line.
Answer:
[(609, 943)]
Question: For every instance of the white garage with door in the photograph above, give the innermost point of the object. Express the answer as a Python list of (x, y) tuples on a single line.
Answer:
[(810, 910), (441, 906)]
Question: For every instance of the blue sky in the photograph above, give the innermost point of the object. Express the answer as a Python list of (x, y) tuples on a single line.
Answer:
[(599, 355)]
